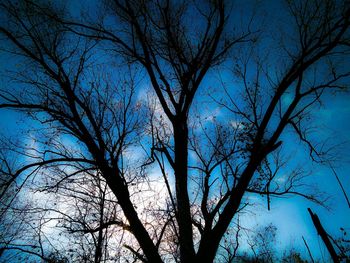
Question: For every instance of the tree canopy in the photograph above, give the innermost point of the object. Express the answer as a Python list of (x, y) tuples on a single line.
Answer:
[(124, 151)]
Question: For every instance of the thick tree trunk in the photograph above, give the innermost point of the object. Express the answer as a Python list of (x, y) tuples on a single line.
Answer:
[(136, 226), (211, 239), (184, 220)]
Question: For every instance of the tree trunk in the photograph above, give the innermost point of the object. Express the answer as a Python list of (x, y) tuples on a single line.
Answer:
[(99, 245), (136, 227), (323, 234), (184, 220), (211, 240)]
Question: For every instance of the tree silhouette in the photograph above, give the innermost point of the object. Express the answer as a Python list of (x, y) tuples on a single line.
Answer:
[(77, 77)]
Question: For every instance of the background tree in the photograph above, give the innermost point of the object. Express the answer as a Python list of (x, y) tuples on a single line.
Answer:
[(74, 86)]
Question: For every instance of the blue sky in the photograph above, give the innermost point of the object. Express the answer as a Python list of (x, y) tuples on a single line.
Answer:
[(288, 214)]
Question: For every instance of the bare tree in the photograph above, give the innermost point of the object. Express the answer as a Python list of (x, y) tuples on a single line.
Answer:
[(177, 44), (86, 215)]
